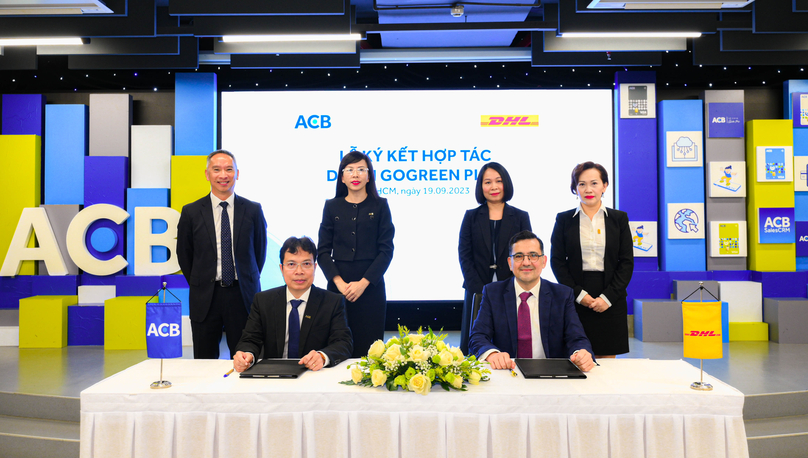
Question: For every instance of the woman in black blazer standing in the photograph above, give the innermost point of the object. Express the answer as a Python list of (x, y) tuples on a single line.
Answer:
[(591, 253), (355, 248), (484, 235)]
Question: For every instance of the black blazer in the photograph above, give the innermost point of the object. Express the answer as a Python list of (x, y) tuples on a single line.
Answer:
[(356, 232), (196, 251), (324, 327), (474, 248), (618, 258)]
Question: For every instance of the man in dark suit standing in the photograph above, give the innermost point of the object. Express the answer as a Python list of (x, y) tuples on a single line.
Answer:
[(526, 316), (221, 249), (298, 320)]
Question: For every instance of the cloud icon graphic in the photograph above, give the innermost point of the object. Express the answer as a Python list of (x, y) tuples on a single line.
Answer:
[(684, 142)]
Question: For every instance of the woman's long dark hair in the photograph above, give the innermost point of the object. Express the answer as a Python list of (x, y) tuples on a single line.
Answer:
[(352, 158)]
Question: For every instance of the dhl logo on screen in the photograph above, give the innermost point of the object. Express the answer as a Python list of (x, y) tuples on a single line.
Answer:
[(509, 121)]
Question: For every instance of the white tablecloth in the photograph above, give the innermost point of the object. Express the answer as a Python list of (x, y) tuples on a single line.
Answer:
[(625, 408)]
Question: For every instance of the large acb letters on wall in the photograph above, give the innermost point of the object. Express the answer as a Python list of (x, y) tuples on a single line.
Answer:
[(33, 221), (145, 240)]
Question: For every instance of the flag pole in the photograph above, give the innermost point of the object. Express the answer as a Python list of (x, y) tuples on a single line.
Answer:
[(700, 385), (160, 384)]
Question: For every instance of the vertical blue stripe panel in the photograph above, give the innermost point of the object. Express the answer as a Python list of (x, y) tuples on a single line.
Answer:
[(680, 185), (67, 128), (635, 164), (195, 113), (801, 141), (23, 114), (143, 197)]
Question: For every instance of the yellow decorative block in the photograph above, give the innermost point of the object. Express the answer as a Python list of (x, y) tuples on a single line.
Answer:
[(188, 181), (43, 321), (748, 332), (22, 154), (769, 257), (125, 323)]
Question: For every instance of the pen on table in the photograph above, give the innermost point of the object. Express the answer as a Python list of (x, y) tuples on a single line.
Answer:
[(513, 373), (229, 372)]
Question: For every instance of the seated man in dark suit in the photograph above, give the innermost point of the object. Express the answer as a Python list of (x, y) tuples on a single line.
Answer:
[(298, 320), (526, 316)]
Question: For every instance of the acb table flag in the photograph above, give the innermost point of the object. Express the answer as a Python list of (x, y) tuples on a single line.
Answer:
[(164, 330), (701, 322)]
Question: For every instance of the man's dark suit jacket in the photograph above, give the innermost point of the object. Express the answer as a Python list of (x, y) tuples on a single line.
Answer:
[(324, 327), (496, 327), (618, 259), (196, 251), (474, 248)]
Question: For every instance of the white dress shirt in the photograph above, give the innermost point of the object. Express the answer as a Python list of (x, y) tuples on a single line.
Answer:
[(535, 328), (217, 223), (593, 244)]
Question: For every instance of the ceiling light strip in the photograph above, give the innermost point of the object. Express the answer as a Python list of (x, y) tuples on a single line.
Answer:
[(40, 41), (630, 34), (283, 38)]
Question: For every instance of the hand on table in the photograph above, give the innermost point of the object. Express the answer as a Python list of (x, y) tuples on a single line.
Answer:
[(583, 360), (242, 361), (313, 361), (500, 360)]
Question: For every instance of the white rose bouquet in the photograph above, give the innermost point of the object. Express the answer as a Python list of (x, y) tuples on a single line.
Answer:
[(416, 362)]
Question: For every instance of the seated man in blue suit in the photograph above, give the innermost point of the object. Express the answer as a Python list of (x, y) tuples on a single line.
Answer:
[(526, 316), (315, 316)]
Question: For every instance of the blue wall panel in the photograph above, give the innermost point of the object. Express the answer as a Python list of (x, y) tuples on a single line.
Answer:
[(635, 164), (195, 114), (23, 114), (105, 181), (67, 128), (679, 185), (144, 197)]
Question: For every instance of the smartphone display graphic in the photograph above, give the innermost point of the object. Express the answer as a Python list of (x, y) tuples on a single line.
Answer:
[(638, 101), (775, 164), (729, 238), (804, 109)]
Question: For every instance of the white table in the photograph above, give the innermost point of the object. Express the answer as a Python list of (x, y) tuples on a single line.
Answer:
[(626, 408)]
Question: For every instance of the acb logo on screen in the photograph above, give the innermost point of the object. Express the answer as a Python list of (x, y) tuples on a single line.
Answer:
[(776, 225), (313, 122)]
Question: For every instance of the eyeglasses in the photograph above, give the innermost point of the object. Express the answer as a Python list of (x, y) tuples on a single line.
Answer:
[(519, 257), (305, 265), (350, 170)]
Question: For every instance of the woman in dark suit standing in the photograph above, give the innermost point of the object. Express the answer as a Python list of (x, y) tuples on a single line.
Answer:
[(484, 235), (356, 247), (592, 254)]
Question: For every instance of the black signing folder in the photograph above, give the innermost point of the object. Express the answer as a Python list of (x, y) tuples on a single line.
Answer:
[(549, 368), (275, 368)]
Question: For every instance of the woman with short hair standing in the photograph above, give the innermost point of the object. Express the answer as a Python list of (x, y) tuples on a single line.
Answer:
[(592, 253)]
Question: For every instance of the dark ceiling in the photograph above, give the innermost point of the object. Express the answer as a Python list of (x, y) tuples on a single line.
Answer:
[(406, 44)]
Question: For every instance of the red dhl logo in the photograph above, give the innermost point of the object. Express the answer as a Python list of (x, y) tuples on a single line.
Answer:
[(509, 121), (702, 334)]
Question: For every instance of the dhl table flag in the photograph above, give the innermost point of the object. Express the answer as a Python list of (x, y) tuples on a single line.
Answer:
[(701, 322)]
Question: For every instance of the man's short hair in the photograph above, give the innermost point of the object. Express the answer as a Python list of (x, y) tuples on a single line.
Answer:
[(524, 235), (293, 244), (221, 151)]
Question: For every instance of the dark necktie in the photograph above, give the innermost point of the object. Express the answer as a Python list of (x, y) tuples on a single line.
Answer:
[(294, 329), (228, 269), (524, 347)]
